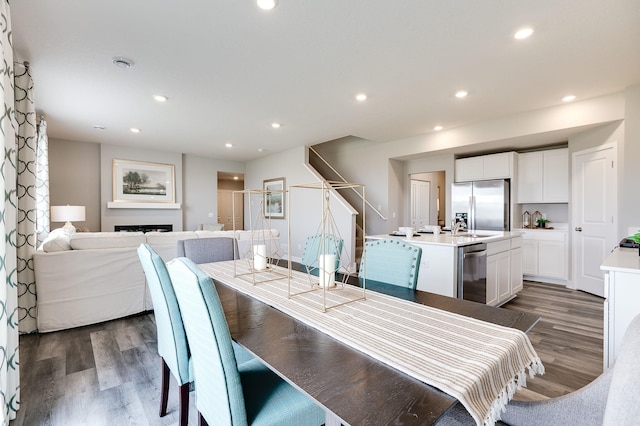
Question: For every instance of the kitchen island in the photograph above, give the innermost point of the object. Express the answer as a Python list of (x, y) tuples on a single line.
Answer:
[(621, 291), (439, 264)]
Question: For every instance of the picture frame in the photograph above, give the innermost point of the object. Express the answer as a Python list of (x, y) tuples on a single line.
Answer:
[(143, 182), (274, 198)]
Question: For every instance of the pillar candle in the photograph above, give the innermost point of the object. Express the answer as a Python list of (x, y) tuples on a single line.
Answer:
[(259, 257), (327, 270)]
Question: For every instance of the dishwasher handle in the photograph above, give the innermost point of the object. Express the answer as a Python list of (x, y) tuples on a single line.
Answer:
[(475, 254)]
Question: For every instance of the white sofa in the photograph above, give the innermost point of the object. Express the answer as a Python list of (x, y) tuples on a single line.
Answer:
[(90, 277)]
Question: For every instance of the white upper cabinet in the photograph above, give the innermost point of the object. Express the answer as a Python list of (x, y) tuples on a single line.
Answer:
[(485, 167), (543, 176)]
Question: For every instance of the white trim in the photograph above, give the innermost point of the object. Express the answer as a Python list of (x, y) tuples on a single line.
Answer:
[(115, 205)]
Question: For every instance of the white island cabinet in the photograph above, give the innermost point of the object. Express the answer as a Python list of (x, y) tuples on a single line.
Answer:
[(622, 298), (438, 265)]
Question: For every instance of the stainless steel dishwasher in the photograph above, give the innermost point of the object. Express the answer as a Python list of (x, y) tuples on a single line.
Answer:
[(472, 272)]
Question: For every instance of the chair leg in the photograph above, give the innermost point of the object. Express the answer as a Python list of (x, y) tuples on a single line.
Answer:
[(201, 420), (164, 388), (184, 404)]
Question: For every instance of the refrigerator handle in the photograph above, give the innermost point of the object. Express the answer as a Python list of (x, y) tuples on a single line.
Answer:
[(472, 213)]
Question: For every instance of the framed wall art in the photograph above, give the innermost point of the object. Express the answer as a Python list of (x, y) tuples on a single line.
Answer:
[(274, 197), (142, 182)]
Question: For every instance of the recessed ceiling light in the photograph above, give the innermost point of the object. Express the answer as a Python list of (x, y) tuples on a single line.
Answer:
[(523, 33), (461, 93), (361, 97), (228, 145), (135, 130), (261, 150), (160, 98), (235, 178), (438, 128), (568, 98), (267, 4), (121, 62), (98, 127), (275, 125)]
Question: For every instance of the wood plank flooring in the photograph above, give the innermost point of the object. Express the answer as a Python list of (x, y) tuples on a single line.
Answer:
[(109, 373), (568, 337)]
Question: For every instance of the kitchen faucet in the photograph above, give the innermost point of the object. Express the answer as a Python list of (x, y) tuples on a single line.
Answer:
[(456, 226)]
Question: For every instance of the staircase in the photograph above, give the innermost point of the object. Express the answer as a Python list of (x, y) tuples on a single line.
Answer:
[(330, 174)]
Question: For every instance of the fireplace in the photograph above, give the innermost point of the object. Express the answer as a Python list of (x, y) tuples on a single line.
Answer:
[(143, 228)]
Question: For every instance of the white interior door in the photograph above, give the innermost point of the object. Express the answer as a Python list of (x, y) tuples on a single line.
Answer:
[(594, 185), (420, 202)]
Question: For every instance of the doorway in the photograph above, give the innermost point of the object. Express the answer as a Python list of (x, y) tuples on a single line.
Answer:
[(427, 199), (228, 183)]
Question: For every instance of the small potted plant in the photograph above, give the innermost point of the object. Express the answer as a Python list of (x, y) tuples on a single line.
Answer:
[(542, 223), (636, 238)]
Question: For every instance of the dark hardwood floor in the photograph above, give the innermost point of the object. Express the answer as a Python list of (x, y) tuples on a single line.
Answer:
[(109, 373)]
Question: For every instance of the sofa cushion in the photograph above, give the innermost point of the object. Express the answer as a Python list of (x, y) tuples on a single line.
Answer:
[(57, 240), (102, 240), (214, 234), (169, 238), (258, 234)]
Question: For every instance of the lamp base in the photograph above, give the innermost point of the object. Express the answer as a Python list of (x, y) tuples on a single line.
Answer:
[(69, 228)]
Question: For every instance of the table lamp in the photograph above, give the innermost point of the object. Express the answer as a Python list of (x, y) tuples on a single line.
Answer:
[(67, 214)]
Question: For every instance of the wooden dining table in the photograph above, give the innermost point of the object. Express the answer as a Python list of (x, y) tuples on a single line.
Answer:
[(353, 387)]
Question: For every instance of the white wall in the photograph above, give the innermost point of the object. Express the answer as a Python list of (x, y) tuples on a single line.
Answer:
[(200, 188), (304, 206)]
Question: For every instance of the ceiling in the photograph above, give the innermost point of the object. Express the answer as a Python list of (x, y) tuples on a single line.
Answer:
[(230, 69)]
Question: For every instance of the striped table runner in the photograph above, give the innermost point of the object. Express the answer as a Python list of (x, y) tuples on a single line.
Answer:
[(479, 363)]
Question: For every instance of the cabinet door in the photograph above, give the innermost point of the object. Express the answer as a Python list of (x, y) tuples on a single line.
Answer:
[(497, 166), (529, 257), (468, 169), (556, 176), (530, 177), (492, 280), (504, 276), (516, 270), (552, 259)]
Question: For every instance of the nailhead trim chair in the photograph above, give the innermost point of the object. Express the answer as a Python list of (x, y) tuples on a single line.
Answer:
[(391, 261), (207, 250), (612, 399), (228, 393), (312, 251)]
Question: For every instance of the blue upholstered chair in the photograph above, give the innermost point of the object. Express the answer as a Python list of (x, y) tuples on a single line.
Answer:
[(207, 250), (313, 248), (611, 399), (228, 393), (172, 341), (391, 261)]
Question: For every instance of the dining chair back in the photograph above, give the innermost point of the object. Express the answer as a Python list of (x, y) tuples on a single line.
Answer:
[(315, 246), (226, 393), (391, 261), (207, 250), (172, 341)]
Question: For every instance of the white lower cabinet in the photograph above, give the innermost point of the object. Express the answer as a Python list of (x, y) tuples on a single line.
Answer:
[(504, 270), (544, 255)]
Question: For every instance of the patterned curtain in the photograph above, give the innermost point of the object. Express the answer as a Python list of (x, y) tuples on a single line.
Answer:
[(9, 373), (42, 183), (26, 237)]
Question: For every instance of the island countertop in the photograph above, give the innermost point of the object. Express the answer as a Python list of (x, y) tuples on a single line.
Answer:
[(446, 239), (622, 260)]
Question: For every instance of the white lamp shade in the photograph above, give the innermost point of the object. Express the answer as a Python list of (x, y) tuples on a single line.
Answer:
[(67, 213)]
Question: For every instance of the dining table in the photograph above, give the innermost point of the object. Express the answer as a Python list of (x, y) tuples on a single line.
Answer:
[(355, 388)]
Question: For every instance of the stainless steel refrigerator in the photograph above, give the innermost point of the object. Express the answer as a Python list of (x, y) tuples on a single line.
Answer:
[(482, 204)]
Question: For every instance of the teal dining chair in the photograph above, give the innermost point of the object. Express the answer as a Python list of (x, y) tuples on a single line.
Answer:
[(228, 393), (391, 261), (173, 347), (313, 247)]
